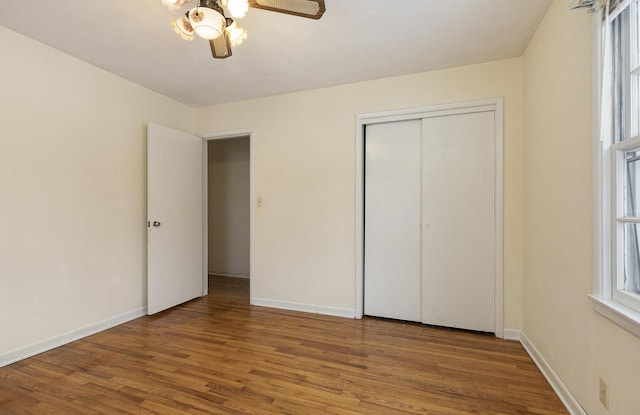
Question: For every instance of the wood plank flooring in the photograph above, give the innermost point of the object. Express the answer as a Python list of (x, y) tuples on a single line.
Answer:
[(218, 355)]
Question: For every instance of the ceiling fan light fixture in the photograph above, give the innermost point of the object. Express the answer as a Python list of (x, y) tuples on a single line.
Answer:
[(237, 8), (173, 5), (236, 34), (182, 26), (207, 22)]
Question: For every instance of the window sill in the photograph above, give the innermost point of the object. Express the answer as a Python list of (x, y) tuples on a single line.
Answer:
[(623, 316)]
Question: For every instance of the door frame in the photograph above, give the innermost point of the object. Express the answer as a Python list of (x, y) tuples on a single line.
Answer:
[(225, 135), (362, 120)]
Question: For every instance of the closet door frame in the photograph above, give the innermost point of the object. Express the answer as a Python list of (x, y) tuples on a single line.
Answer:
[(362, 120)]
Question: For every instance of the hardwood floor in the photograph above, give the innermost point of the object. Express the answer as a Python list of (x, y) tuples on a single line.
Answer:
[(218, 355)]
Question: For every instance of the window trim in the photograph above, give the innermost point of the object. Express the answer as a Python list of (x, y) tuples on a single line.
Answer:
[(602, 297), (619, 314)]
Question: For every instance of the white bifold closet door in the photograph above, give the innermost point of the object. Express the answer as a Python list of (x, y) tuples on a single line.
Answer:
[(430, 220)]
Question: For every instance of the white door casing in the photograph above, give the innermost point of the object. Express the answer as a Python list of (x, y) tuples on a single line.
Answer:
[(175, 214)]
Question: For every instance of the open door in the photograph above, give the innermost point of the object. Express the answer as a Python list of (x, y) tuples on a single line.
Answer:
[(175, 215)]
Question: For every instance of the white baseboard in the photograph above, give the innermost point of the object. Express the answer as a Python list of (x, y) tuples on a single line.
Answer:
[(512, 334), (565, 395), (228, 274), (68, 337), (307, 308)]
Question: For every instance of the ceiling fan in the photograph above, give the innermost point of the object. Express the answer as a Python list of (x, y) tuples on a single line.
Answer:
[(214, 21)]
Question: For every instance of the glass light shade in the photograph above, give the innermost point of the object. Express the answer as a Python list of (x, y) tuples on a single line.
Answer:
[(237, 8), (206, 22), (236, 34), (173, 5), (182, 27)]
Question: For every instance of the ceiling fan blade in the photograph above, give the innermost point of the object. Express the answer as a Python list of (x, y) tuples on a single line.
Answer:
[(312, 9), (220, 46)]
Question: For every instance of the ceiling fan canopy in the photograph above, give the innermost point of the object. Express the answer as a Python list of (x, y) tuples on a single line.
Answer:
[(209, 21)]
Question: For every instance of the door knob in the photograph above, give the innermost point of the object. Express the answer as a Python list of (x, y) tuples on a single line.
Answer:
[(156, 223)]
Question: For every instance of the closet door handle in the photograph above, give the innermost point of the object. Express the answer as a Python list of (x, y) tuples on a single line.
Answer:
[(156, 224)]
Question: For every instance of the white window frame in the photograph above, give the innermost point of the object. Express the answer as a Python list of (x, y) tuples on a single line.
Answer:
[(608, 299)]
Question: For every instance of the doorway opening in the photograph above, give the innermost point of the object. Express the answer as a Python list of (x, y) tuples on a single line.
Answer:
[(228, 191)]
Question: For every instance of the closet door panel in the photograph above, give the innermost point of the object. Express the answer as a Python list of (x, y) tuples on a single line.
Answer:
[(392, 220), (458, 271)]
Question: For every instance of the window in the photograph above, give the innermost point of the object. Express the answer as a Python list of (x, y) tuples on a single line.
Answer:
[(620, 167), (625, 275)]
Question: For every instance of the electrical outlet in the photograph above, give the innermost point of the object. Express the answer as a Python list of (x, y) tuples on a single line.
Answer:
[(603, 393)]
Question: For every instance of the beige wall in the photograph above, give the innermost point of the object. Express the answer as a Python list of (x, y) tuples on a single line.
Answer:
[(580, 345), (305, 173), (228, 206), (72, 191)]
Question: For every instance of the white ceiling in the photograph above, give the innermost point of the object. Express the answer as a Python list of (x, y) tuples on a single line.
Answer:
[(356, 40)]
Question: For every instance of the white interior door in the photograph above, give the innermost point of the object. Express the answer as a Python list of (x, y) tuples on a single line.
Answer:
[(458, 221), (392, 220), (175, 214)]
